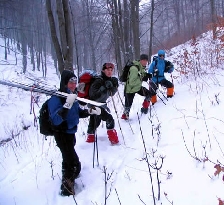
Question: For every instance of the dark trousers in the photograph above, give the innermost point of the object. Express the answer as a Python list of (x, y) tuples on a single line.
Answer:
[(148, 93), (95, 120), (166, 83), (66, 143)]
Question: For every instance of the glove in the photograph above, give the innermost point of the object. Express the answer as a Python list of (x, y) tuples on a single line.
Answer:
[(114, 81), (108, 84), (69, 101), (102, 88), (149, 75), (94, 111)]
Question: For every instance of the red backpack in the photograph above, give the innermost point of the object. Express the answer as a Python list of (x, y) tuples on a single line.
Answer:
[(85, 80)]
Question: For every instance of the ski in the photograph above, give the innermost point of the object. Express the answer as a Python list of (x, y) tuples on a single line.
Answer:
[(42, 89)]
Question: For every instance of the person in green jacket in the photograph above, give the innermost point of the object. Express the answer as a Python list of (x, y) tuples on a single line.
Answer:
[(137, 74)]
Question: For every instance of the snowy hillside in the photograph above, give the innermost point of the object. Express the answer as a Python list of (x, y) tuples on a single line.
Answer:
[(172, 155)]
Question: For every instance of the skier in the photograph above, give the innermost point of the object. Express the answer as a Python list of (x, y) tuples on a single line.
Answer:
[(64, 115), (100, 90), (158, 67), (137, 74)]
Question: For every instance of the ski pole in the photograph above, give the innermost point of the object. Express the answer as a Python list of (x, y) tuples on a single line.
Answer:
[(172, 81), (95, 145), (124, 107), (158, 89)]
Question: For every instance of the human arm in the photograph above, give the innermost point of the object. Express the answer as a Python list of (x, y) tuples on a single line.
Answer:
[(169, 67)]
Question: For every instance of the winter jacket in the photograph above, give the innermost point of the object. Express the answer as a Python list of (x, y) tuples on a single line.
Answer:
[(162, 65), (136, 74), (65, 120), (98, 90)]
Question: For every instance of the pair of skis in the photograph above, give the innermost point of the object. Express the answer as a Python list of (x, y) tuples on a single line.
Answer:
[(42, 89)]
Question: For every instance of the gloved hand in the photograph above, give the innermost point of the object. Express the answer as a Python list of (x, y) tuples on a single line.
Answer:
[(108, 84), (70, 100), (149, 75), (94, 111), (114, 81), (102, 89), (156, 72)]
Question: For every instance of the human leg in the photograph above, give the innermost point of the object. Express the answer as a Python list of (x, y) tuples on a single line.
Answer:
[(146, 103), (129, 97), (111, 132), (94, 122), (169, 86), (71, 165)]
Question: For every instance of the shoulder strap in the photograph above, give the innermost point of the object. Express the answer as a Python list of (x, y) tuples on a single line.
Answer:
[(156, 61)]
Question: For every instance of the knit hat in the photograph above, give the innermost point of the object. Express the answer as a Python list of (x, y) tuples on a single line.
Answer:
[(108, 65), (144, 57), (67, 76)]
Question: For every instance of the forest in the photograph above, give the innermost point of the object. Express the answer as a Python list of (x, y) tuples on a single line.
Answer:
[(85, 34)]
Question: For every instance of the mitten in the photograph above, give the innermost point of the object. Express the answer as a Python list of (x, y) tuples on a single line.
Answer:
[(149, 76), (94, 111), (69, 101), (108, 84)]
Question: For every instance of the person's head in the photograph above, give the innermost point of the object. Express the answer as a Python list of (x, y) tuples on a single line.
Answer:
[(108, 69), (68, 80), (144, 59), (161, 54)]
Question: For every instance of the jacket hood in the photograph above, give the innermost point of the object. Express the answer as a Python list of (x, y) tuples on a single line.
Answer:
[(161, 52), (65, 77)]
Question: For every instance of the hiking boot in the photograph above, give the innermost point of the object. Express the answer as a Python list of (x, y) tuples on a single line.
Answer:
[(153, 99), (67, 187), (144, 110), (77, 170), (112, 135), (170, 92), (90, 138), (125, 116), (145, 106)]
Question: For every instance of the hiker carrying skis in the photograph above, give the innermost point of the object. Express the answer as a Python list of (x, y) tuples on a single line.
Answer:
[(64, 115), (158, 67), (136, 75), (100, 90)]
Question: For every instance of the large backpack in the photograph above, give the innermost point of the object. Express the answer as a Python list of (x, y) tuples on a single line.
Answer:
[(125, 71), (85, 80), (168, 64), (44, 120)]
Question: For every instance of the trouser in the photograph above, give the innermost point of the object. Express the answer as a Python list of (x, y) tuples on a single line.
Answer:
[(95, 120), (166, 83), (66, 143), (148, 93)]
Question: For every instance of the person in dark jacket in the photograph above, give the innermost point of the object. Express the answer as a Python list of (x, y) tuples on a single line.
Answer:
[(158, 67), (137, 75), (100, 90), (64, 115)]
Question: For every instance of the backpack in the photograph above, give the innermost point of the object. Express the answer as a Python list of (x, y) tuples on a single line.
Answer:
[(44, 120), (85, 80), (125, 71), (168, 64)]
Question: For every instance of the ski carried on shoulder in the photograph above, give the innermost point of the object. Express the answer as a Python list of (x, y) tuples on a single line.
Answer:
[(42, 89)]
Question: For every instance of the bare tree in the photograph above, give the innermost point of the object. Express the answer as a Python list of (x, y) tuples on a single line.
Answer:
[(64, 43)]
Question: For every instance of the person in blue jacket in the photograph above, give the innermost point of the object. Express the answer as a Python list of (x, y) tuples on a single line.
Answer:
[(64, 115), (157, 68)]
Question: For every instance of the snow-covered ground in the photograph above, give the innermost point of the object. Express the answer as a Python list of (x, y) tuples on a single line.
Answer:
[(182, 141)]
